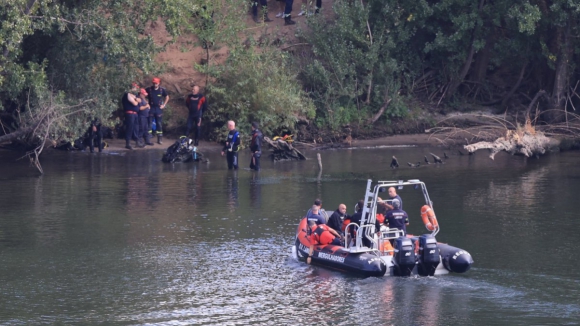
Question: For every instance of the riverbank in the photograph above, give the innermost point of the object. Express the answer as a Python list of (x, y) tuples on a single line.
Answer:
[(424, 139)]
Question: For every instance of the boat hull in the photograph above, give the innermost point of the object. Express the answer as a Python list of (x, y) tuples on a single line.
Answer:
[(337, 257)]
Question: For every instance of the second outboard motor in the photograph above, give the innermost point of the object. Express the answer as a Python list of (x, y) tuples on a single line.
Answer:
[(404, 258), (428, 255), (454, 259)]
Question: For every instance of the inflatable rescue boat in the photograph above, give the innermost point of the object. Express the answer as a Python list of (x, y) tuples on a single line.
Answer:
[(390, 251)]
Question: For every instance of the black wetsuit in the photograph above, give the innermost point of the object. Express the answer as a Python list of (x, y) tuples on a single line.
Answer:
[(256, 149), (336, 219), (196, 104)]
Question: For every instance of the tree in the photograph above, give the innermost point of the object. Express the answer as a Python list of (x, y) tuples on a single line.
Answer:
[(353, 73), (66, 62), (257, 84)]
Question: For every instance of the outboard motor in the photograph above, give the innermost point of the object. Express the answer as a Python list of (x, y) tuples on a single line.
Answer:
[(428, 255), (454, 259), (404, 258)]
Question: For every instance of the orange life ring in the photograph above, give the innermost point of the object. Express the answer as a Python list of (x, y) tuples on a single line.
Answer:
[(429, 219)]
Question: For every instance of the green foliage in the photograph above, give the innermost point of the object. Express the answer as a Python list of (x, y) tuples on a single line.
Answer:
[(353, 71), (84, 52), (258, 85)]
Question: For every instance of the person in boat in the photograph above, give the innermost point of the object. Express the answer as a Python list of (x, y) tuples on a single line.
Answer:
[(357, 217), (321, 234), (397, 217), (321, 211), (381, 210), (314, 216), (337, 218), (393, 195)]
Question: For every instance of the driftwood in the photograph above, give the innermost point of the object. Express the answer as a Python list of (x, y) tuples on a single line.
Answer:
[(524, 141), (282, 150), (436, 158)]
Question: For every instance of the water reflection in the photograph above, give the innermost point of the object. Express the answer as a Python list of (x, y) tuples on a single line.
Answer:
[(128, 240), (232, 190), (256, 191)]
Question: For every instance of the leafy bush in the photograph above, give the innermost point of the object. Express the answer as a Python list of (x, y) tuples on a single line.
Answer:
[(257, 84)]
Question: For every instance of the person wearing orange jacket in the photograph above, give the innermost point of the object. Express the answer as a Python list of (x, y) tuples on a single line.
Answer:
[(322, 235)]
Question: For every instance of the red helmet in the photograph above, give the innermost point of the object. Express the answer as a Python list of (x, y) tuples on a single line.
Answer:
[(156, 80), (143, 91)]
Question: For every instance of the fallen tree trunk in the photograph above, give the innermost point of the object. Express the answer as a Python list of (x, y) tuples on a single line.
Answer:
[(282, 150), (527, 142)]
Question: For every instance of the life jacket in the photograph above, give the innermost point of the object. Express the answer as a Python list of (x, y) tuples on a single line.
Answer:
[(380, 218), (345, 222), (321, 235)]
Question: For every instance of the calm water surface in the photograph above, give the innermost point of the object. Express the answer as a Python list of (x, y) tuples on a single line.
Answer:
[(123, 239)]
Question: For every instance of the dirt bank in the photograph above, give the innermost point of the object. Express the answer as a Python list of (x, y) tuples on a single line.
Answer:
[(396, 140)]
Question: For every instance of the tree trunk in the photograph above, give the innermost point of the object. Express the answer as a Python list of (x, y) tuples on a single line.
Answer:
[(482, 60), (455, 83), (558, 98)]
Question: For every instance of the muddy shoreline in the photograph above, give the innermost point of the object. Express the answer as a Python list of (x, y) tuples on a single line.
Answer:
[(395, 140)]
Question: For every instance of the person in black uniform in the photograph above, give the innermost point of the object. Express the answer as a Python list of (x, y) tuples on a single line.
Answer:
[(158, 98), (336, 219), (232, 146), (287, 13), (397, 217), (264, 5), (131, 107), (196, 104), (95, 135), (256, 147)]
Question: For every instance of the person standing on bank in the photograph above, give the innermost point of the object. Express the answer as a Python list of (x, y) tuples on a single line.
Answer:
[(143, 116), (95, 134), (287, 13), (196, 104), (256, 147), (158, 98), (232, 146), (131, 107), (264, 5)]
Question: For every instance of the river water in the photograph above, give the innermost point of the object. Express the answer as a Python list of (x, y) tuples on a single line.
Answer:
[(124, 239)]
